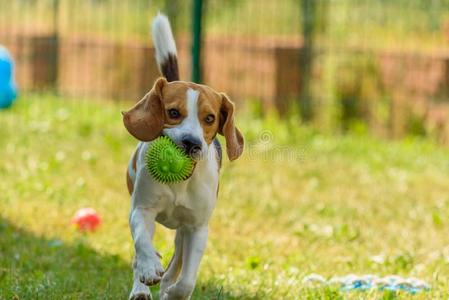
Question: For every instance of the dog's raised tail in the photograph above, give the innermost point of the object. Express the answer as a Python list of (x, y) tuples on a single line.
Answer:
[(165, 47)]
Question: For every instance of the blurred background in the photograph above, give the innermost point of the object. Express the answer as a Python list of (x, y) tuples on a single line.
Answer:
[(375, 66), (344, 105)]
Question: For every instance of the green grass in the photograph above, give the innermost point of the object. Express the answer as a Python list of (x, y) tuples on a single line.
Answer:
[(297, 202)]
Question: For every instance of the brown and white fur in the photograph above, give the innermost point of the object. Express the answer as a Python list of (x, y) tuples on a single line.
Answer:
[(191, 115)]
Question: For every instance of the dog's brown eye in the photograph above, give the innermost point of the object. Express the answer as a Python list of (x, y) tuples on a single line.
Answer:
[(173, 113), (209, 119)]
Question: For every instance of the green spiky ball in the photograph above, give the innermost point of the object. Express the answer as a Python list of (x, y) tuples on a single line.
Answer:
[(167, 163)]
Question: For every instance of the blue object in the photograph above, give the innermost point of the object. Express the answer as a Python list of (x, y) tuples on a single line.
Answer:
[(8, 88), (370, 282)]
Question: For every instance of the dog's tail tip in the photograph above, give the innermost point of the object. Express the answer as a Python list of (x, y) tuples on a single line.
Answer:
[(165, 47)]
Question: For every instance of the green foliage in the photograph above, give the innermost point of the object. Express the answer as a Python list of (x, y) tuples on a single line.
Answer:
[(359, 91), (416, 125)]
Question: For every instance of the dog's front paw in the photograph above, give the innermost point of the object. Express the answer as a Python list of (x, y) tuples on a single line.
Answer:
[(140, 291), (140, 296), (149, 271)]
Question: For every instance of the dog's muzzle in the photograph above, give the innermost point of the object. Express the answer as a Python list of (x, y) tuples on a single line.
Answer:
[(192, 146)]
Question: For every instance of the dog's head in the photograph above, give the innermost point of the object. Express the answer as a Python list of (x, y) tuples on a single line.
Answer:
[(188, 113)]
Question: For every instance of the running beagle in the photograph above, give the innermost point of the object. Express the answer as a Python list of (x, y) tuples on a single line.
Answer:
[(191, 115)]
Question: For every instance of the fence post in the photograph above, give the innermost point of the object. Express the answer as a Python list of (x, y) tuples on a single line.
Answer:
[(308, 9), (197, 20), (55, 42)]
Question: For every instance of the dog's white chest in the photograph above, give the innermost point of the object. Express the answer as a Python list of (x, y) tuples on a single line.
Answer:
[(187, 207), (177, 215), (191, 203)]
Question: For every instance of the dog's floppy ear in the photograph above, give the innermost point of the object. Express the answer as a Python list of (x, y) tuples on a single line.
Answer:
[(234, 139), (146, 119)]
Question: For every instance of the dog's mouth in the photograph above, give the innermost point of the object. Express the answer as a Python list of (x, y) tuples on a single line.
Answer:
[(195, 153), (194, 150), (191, 155)]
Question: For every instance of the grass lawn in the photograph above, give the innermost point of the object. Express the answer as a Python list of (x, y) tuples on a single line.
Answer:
[(297, 202)]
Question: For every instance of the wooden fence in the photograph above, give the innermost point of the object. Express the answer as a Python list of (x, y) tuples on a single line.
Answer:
[(415, 85)]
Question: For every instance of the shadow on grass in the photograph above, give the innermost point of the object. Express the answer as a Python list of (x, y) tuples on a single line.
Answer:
[(33, 267)]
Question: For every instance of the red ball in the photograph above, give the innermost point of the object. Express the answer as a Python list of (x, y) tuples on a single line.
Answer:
[(86, 219)]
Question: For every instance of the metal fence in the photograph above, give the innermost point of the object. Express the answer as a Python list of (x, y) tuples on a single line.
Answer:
[(375, 65)]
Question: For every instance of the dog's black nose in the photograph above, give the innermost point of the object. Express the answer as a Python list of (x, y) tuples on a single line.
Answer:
[(191, 145)]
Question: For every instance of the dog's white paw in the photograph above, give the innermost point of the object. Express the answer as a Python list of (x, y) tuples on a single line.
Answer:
[(149, 271), (140, 291), (140, 296), (177, 291)]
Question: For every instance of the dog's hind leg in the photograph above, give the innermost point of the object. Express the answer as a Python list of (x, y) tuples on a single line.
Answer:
[(193, 243), (174, 267)]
